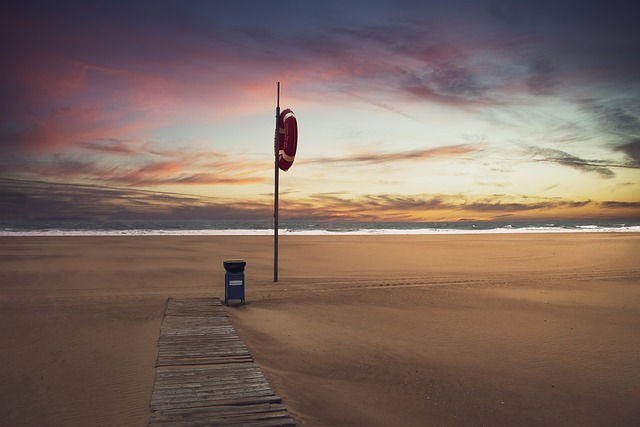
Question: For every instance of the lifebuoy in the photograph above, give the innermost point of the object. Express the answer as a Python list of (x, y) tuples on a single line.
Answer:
[(288, 139)]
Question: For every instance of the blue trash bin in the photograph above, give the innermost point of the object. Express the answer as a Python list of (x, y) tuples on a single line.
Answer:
[(234, 280)]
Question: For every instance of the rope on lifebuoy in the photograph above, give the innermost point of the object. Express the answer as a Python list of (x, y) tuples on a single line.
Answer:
[(287, 157), (287, 115)]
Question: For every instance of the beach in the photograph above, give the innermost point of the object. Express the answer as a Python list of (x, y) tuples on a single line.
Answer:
[(537, 329)]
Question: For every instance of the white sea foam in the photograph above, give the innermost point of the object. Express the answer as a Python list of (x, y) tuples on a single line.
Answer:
[(325, 232), (461, 231)]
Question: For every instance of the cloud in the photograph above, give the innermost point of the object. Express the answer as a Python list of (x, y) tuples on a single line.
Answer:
[(139, 168), (92, 73), (38, 200), (110, 146), (61, 123), (406, 60), (404, 156), (171, 173), (619, 119), (447, 83), (483, 53), (499, 206), (589, 41), (549, 155), (616, 204), (619, 124), (605, 126), (632, 150), (435, 207), (84, 73)]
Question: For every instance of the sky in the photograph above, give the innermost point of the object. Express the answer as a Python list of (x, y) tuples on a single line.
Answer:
[(407, 110)]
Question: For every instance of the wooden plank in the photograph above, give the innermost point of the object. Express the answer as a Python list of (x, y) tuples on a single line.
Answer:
[(276, 421), (280, 422), (205, 374), (236, 414)]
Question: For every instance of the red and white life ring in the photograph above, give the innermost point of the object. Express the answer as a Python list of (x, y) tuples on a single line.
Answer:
[(288, 139)]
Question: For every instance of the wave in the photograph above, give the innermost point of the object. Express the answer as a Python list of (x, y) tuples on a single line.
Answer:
[(313, 229)]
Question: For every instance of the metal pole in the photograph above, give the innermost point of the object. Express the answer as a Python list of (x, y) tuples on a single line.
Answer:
[(276, 191)]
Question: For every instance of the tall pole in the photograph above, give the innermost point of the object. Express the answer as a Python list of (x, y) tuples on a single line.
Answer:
[(276, 191)]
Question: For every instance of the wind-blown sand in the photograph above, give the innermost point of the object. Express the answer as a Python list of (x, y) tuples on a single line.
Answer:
[(442, 330)]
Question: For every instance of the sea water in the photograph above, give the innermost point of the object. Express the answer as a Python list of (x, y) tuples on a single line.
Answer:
[(299, 227)]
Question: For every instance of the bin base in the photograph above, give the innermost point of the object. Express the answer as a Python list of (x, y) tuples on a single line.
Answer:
[(226, 300)]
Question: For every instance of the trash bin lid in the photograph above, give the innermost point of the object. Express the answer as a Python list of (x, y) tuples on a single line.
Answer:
[(234, 265)]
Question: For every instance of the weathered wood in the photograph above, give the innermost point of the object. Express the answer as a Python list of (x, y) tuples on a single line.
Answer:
[(205, 374), (220, 409)]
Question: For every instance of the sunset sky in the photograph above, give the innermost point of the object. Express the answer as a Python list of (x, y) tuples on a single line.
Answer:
[(407, 110)]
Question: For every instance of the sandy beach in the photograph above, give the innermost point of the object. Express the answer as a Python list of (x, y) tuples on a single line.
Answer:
[(433, 330)]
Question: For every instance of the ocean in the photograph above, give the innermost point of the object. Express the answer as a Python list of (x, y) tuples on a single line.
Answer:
[(244, 228)]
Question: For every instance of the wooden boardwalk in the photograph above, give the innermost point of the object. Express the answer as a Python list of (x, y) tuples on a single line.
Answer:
[(205, 375)]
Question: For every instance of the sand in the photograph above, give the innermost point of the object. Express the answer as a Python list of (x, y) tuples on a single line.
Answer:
[(439, 330)]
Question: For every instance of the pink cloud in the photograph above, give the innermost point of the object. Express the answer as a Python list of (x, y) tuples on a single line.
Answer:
[(142, 169), (58, 99)]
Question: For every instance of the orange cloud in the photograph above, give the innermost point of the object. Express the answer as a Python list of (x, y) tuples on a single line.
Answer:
[(43, 200), (389, 207)]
